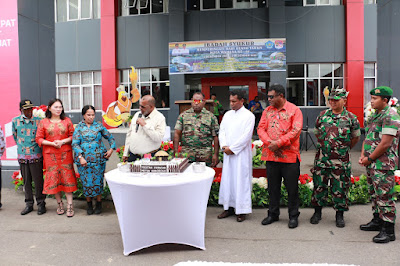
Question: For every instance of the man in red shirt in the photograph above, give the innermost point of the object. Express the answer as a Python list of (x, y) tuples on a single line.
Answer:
[(279, 130)]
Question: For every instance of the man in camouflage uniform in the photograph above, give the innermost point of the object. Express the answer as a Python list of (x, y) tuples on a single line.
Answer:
[(379, 154), (196, 129), (337, 131)]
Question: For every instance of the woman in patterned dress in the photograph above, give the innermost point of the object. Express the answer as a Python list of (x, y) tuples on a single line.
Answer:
[(54, 135), (91, 156)]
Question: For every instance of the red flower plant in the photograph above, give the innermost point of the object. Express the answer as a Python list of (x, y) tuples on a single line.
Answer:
[(304, 179), (217, 179), (166, 148), (397, 179), (171, 145), (118, 150)]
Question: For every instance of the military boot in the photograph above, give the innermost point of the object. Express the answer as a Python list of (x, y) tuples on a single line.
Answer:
[(386, 234), (374, 225), (317, 216), (339, 219)]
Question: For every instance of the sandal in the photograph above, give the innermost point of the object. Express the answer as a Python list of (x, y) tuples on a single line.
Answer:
[(70, 211), (60, 209)]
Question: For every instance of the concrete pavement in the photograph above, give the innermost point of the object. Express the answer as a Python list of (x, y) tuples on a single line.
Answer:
[(50, 239)]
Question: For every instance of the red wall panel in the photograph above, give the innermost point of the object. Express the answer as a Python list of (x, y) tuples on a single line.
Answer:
[(354, 67)]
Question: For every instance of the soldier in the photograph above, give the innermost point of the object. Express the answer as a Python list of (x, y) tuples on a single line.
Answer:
[(197, 128), (337, 131), (379, 154)]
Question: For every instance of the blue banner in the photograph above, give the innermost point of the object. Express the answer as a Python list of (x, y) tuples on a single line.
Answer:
[(227, 56)]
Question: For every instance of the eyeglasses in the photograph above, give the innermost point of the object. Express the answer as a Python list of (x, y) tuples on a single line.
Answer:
[(197, 101), (142, 106), (270, 97)]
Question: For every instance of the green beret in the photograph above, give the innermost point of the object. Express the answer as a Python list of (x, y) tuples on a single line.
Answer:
[(337, 94), (382, 91)]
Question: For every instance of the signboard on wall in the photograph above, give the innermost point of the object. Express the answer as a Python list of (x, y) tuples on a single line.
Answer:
[(9, 72), (246, 55)]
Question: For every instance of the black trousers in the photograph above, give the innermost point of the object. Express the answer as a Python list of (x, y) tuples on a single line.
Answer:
[(33, 172), (290, 173)]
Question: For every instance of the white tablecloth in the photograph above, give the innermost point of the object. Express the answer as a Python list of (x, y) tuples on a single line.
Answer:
[(160, 208)]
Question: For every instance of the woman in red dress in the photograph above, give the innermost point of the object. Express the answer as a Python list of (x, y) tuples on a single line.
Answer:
[(54, 135)]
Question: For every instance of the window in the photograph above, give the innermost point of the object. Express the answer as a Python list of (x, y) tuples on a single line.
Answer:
[(79, 89), (222, 4), (369, 2), (322, 2), (153, 81), (139, 7), (370, 81), (70, 10), (306, 82)]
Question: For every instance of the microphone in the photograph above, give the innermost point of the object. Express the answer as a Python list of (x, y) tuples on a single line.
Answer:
[(137, 125)]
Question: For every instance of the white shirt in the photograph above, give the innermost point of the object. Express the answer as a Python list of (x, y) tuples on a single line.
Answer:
[(147, 138)]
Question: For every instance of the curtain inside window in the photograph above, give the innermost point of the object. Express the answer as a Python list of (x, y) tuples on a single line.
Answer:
[(97, 97), (75, 98), (87, 96), (63, 95)]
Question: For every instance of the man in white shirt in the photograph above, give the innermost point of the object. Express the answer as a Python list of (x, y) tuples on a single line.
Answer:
[(146, 131), (235, 136)]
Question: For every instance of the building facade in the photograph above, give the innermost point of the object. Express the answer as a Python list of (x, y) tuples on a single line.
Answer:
[(328, 43), (98, 46)]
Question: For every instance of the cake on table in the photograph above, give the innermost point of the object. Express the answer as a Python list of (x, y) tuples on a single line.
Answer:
[(161, 164)]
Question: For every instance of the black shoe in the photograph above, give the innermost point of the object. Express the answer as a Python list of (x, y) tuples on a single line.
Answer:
[(27, 210), (1, 205), (98, 208), (317, 216), (293, 223), (226, 213), (339, 219), (269, 220), (386, 234), (90, 210), (374, 225), (41, 209)]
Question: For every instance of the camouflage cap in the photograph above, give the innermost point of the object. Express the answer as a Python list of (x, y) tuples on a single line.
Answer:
[(382, 91), (337, 94)]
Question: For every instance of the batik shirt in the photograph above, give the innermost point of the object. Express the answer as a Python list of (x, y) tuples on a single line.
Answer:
[(198, 132), (24, 133), (334, 133), (87, 141), (283, 126), (386, 122)]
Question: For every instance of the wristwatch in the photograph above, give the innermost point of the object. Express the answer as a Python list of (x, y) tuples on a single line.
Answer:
[(80, 156), (369, 159)]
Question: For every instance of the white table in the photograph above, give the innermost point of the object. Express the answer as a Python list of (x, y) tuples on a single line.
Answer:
[(160, 208)]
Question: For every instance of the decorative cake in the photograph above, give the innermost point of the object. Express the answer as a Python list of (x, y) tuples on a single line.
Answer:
[(175, 165)]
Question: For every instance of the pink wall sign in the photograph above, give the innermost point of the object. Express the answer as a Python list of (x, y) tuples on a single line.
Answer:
[(9, 72)]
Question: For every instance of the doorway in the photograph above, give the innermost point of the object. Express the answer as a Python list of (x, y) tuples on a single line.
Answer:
[(223, 92), (221, 86)]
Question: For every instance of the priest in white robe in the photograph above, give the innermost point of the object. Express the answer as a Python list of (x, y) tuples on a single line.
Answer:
[(235, 135)]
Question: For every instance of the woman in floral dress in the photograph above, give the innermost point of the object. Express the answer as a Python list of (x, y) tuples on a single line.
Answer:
[(91, 156), (54, 135)]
